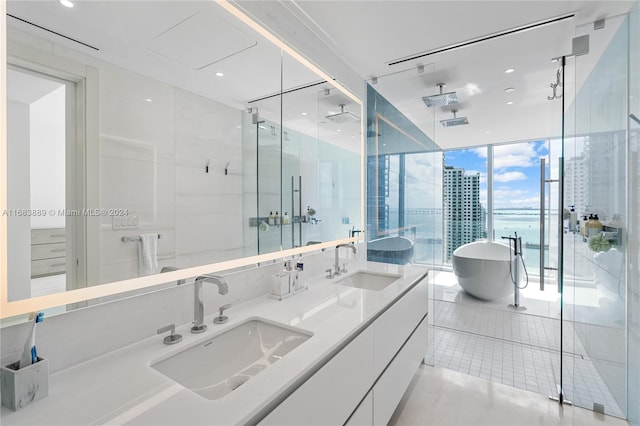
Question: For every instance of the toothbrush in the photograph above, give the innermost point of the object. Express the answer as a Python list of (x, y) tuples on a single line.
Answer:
[(30, 353)]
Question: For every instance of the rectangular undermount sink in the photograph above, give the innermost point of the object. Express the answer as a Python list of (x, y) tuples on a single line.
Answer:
[(369, 280), (217, 366)]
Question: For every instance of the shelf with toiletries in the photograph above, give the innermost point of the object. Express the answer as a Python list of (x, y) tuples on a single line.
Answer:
[(257, 221), (598, 235)]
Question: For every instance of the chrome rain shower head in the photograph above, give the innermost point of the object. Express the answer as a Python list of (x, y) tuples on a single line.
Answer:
[(343, 116), (441, 99), (455, 121)]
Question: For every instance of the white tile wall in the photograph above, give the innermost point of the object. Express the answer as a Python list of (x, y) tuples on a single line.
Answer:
[(154, 140)]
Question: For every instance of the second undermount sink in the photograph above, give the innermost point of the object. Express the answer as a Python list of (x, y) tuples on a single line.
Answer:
[(369, 280), (219, 365)]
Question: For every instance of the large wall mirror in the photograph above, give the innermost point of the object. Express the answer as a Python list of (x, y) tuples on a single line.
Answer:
[(146, 137)]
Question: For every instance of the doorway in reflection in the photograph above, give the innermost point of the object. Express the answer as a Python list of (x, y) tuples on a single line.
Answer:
[(41, 135)]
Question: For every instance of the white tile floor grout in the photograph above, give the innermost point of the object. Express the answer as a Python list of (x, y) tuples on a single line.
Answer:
[(490, 341)]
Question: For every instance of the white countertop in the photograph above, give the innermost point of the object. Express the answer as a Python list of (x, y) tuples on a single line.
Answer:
[(120, 387)]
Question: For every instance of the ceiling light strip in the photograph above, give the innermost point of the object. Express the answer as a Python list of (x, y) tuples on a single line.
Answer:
[(52, 32), (285, 47), (485, 38), (394, 126), (18, 307)]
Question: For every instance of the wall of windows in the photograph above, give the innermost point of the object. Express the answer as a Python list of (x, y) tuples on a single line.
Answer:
[(404, 178)]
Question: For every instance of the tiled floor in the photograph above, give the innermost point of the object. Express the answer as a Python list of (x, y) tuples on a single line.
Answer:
[(439, 396), (488, 340)]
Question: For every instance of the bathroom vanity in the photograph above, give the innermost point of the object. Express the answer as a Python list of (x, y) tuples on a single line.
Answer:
[(359, 338)]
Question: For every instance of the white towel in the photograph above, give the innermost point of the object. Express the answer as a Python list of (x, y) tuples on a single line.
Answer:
[(148, 254)]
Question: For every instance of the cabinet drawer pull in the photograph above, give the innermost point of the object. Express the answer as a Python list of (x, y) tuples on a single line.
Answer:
[(57, 235), (61, 250), (58, 264)]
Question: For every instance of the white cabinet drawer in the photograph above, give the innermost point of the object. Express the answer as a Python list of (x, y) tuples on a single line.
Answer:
[(330, 395), (48, 251), (394, 326), (41, 268), (48, 236), (364, 413), (393, 383)]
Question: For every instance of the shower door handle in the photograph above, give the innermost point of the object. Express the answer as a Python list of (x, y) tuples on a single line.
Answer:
[(560, 222), (542, 191), (293, 212)]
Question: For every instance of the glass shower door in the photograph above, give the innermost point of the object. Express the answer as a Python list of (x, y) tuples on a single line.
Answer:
[(594, 148)]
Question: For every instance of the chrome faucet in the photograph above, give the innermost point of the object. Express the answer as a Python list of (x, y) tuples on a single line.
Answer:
[(198, 307), (337, 262), (172, 269)]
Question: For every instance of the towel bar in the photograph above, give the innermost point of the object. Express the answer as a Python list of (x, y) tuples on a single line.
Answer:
[(128, 239)]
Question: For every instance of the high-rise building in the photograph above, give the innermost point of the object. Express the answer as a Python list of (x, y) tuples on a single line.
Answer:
[(463, 213)]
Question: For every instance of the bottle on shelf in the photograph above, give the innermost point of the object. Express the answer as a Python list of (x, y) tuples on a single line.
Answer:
[(595, 226), (573, 219), (285, 218), (272, 220), (276, 218), (583, 226)]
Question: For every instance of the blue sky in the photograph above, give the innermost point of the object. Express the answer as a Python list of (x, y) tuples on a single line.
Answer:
[(516, 173)]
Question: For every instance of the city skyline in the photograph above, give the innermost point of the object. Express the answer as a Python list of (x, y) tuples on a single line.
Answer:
[(516, 177)]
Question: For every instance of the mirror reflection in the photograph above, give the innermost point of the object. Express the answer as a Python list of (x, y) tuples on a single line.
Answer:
[(140, 140)]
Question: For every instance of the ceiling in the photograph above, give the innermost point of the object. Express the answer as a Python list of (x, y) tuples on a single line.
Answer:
[(369, 35), (186, 44), (172, 41)]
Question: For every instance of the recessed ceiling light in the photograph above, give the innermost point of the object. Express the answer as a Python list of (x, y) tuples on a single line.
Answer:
[(66, 3), (487, 132), (509, 70), (510, 103), (219, 74), (304, 113), (339, 130), (509, 89), (149, 100)]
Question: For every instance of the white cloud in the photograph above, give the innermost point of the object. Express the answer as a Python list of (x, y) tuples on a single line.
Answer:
[(509, 176), (480, 152), (514, 155)]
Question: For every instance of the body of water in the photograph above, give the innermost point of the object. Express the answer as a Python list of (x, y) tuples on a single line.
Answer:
[(424, 226)]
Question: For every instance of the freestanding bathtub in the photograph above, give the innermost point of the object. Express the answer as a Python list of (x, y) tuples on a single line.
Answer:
[(398, 250), (482, 269)]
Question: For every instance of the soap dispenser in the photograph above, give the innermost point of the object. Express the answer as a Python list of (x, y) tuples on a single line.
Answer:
[(277, 218), (271, 219)]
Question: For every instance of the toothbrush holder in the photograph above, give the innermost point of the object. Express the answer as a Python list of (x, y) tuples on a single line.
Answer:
[(20, 387)]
